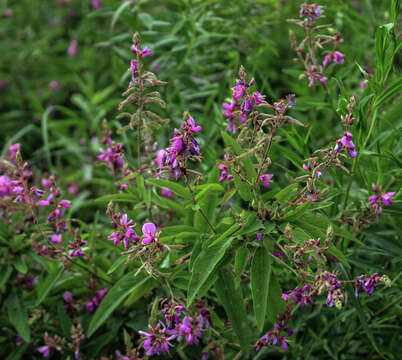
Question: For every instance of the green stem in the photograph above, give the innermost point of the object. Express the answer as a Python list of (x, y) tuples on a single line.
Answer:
[(355, 161), (195, 203)]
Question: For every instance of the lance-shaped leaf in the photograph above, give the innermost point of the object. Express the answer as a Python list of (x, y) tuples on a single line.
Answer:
[(232, 300), (115, 296), (204, 265), (260, 276), (18, 315)]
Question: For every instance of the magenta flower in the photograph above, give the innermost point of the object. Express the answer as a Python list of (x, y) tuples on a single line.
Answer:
[(142, 53), (148, 230), (323, 81), (56, 239), (291, 100), (257, 97), (54, 85), (265, 179), (387, 198), (191, 125), (167, 192), (67, 297), (133, 69), (44, 350), (327, 59), (73, 48), (186, 329), (96, 4), (338, 57), (346, 142)]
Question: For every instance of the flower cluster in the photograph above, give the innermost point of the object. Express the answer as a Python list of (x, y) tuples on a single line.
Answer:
[(134, 62), (179, 326), (95, 301), (127, 234), (368, 285), (311, 12), (242, 103), (345, 142), (265, 179), (183, 146), (314, 70), (28, 280), (51, 342), (277, 336), (380, 199), (225, 171)]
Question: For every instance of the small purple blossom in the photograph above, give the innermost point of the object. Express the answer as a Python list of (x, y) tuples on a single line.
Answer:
[(141, 53), (148, 230), (265, 179), (96, 4), (73, 48), (346, 143)]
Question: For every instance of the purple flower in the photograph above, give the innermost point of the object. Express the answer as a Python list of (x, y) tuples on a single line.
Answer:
[(73, 48), (387, 198), (133, 69), (291, 100), (148, 230), (327, 59), (8, 13), (338, 57), (257, 97), (96, 4), (190, 125), (157, 339), (141, 53), (205, 317), (54, 85), (323, 80), (265, 179), (186, 329), (56, 239), (259, 235), (167, 192), (67, 297), (346, 142), (44, 350)]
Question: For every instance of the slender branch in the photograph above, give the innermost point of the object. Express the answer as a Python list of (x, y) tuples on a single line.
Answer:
[(195, 203)]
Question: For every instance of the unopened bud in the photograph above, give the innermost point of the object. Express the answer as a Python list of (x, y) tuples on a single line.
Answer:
[(330, 231), (288, 232), (338, 304), (386, 280)]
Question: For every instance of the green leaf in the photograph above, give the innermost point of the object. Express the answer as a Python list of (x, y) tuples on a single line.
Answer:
[(208, 189), (243, 188), (175, 187), (260, 278), (118, 12), (5, 273), (393, 89), (120, 261), (44, 288), (115, 296), (232, 300), (276, 305), (286, 193), (17, 314), (142, 289), (65, 322), (204, 265), (241, 260), (237, 149), (117, 197)]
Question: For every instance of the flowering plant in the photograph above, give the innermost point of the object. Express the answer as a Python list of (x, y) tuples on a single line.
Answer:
[(238, 236)]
